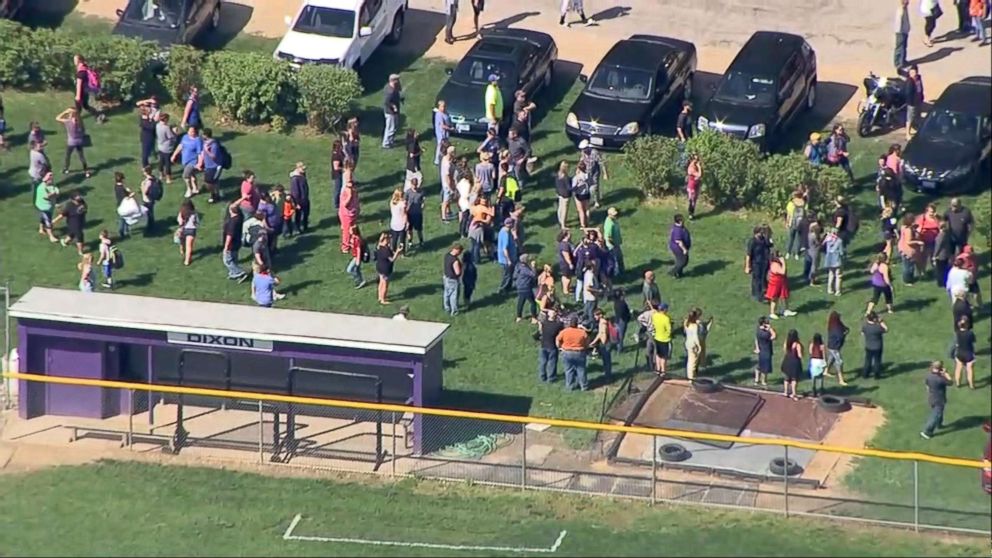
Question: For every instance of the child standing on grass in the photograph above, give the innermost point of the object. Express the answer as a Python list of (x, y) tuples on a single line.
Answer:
[(87, 275), (358, 252), (288, 212), (107, 253)]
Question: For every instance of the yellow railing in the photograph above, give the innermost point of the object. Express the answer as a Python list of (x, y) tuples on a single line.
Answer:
[(496, 417)]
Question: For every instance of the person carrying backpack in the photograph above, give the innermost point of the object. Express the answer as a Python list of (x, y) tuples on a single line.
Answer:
[(151, 193), (795, 214), (87, 83), (815, 150)]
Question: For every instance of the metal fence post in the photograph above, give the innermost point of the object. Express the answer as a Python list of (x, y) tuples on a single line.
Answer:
[(261, 433), (8, 401), (392, 457), (523, 460), (916, 496), (785, 473), (130, 418), (654, 469)]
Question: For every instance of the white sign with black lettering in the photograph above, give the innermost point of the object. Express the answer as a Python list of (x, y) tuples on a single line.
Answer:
[(219, 341)]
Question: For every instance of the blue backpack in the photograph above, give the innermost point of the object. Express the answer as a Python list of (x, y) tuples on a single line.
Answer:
[(816, 153)]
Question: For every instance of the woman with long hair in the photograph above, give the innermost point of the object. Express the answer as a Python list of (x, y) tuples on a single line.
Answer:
[(87, 273), (881, 283), (75, 138), (764, 337), (352, 142), (792, 363), (348, 212), (189, 221), (385, 256), (413, 152), (563, 188), (693, 180), (928, 225), (566, 260), (398, 222), (964, 352), (337, 171), (833, 260), (817, 364), (356, 251), (836, 335), (690, 326), (581, 193), (778, 287), (910, 249)]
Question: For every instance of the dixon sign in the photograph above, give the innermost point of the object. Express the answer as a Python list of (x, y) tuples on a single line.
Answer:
[(220, 341)]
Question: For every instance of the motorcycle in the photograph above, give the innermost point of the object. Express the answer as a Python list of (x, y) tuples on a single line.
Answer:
[(884, 99)]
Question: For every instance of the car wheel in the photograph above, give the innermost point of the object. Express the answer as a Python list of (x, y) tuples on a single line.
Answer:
[(215, 17), (687, 89), (397, 31), (811, 96)]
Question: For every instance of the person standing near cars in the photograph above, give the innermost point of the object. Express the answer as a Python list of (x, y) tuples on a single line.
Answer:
[(936, 381), (494, 102), (902, 27), (960, 222), (392, 98), (442, 129), (683, 124), (913, 93)]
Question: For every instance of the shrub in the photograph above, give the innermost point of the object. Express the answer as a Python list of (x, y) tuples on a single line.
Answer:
[(731, 168), (17, 51), (53, 63), (654, 163), (279, 124), (326, 94), (248, 87), (983, 220), (185, 65), (781, 174)]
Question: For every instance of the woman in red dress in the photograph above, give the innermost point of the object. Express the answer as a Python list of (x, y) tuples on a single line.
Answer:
[(693, 177), (778, 287)]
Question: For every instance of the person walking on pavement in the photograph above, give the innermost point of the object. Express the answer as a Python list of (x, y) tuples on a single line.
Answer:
[(451, 279), (450, 17), (902, 27), (573, 6), (442, 128), (392, 98), (931, 12), (936, 381)]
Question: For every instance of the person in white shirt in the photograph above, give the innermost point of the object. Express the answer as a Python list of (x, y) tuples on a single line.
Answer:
[(403, 315)]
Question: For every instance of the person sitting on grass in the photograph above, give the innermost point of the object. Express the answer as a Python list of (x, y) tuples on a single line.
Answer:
[(263, 286)]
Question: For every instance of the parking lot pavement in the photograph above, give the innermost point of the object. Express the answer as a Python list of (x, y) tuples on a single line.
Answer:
[(850, 36)]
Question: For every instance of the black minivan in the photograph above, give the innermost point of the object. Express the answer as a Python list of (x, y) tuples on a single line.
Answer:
[(771, 80)]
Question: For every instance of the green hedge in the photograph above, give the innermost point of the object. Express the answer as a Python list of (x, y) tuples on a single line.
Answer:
[(735, 172), (326, 94), (250, 88), (185, 67)]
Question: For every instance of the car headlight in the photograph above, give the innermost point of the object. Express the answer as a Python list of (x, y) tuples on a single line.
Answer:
[(756, 131), (571, 120), (702, 123), (956, 172), (630, 129)]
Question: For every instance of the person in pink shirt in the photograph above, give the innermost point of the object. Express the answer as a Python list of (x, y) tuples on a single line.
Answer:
[(893, 159), (249, 195), (928, 225), (348, 213)]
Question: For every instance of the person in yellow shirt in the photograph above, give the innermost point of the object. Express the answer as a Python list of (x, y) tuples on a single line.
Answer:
[(662, 337), (494, 102)]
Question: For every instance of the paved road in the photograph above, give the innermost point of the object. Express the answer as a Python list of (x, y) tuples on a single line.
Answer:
[(850, 36)]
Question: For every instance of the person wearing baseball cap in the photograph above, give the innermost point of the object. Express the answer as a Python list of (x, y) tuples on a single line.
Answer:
[(494, 101), (392, 97), (662, 337)]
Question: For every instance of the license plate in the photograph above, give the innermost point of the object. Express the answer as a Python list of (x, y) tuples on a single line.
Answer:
[(461, 127), (596, 141), (929, 184)]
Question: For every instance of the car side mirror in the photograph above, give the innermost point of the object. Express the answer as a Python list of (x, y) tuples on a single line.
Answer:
[(583, 78), (449, 71), (364, 31), (120, 13), (288, 20)]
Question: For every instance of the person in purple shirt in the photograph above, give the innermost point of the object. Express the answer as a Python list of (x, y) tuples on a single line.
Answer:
[(584, 252), (679, 242)]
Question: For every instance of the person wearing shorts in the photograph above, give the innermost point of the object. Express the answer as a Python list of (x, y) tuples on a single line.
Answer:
[(74, 213), (964, 352), (662, 337)]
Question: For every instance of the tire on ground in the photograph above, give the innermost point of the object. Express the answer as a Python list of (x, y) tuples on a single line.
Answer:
[(706, 385), (673, 453), (833, 403), (780, 467)]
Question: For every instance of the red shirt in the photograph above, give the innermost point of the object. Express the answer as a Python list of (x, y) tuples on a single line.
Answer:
[(929, 227), (355, 247)]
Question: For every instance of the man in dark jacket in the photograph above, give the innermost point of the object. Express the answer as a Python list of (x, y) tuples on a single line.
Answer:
[(913, 92), (525, 280), (299, 189), (756, 261)]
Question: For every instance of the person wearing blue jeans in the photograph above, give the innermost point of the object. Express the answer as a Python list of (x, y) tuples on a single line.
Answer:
[(442, 129), (452, 279), (392, 97), (573, 343), (506, 254), (936, 381), (232, 243), (547, 355)]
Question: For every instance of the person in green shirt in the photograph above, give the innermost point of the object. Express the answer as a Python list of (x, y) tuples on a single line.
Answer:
[(614, 240), (45, 194), (494, 102)]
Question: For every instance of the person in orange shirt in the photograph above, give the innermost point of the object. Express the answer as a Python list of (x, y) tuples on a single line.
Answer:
[(573, 343), (976, 9), (928, 225), (288, 211)]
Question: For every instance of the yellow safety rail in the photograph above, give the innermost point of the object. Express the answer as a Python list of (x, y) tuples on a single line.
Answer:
[(583, 425)]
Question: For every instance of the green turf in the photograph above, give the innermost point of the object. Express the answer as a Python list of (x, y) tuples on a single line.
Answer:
[(148, 510), (489, 361)]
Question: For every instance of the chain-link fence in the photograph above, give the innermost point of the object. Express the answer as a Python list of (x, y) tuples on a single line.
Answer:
[(446, 445)]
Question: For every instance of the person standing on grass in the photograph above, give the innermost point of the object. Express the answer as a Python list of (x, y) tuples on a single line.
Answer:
[(964, 352), (210, 161), (581, 193), (189, 221), (650, 292), (622, 316), (121, 193), (591, 290), (74, 213), (442, 129), (348, 213), (690, 327), (337, 171), (190, 147), (548, 329), (75, 138), (662, 326), (573, 344), (86, 80), (566, 261), (967, 257), (596, 170), (165, 143), (679, 243), (936, 381), (485, 174), (943, 252), (817, 364), (494, 102), (506, 255), (778, 287), (928, 225), (385, 256), (881, 283), (447, 176), (837, 150), (415, 201), (792, 364), (833, 261), (451, 279), (901, 28), (352, 145), (38, 163), (87, 275), (525, 280), (756, 261), (151, 194), (645, 334), (889, 226), (684, 124), (872, 332), (705, 325), (764, 348), (232, 238), (601, 343), (250, 196), (413, 154), (563, 189), (107, 253), (392, 98), (795, 214), (836, 336), (398, 221), (146, 133), (357, 252), (191, 110), (811, 259), (614, 240), (693, 182), (45, 196), (910, 248), (299, 190), (961, 222)]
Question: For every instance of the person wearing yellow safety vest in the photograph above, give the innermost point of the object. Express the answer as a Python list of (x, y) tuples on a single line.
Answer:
[(662, 337), (494, 102)]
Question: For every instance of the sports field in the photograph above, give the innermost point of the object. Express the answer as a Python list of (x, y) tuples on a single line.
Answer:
[(148, 510), (489, 361)]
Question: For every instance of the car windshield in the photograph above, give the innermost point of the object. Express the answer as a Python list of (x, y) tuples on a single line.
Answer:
[(474, 70), (620, 83), (158, 13), (956, 127), (329, 22), (740, 87)]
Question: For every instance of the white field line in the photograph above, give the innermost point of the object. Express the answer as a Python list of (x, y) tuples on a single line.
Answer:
[(289, 536)]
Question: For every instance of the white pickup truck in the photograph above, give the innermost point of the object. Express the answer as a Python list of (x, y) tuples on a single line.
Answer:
[(342, 32)]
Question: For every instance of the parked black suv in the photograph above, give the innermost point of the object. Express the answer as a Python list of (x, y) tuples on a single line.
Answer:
[(168, 22), (637, 79), (771, 80), (952, 145)]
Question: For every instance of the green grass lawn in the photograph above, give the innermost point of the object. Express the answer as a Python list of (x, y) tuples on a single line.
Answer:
[(490, 361), (148, 510)]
